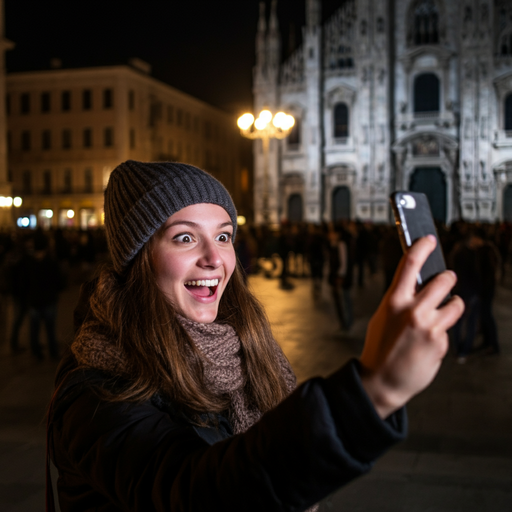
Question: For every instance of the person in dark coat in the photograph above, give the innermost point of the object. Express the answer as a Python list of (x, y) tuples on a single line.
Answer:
[(44, 284), (20, 281), (464, 260), (175, 395)]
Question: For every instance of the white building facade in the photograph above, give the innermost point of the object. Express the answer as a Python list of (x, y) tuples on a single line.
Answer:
[(69, 128), (390, 94)]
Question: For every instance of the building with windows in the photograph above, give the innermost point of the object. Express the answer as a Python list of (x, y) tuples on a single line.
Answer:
[(69, 128), (390, 94)]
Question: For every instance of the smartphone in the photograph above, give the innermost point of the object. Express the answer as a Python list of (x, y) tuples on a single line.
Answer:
[(413, 219)]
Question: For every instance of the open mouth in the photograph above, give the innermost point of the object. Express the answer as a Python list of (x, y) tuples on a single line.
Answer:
[(204, 288)]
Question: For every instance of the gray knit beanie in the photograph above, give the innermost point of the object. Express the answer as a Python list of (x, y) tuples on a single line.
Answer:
[(141, 196)]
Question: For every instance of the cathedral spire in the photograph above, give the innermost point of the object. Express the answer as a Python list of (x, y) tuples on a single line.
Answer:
[(273, 40), (261, 46), (313, 12)]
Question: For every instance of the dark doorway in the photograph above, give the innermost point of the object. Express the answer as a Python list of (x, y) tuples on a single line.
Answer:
[(426, 93), (341, 204), (431, 181), (295, 208), (507, 204)]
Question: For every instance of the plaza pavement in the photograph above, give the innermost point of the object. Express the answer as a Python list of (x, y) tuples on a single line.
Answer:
[(458, 455)]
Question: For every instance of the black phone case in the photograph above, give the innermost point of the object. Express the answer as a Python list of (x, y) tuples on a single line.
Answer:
[(415, 223)]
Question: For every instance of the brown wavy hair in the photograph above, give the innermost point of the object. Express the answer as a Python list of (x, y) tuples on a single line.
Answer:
[(132, 312)]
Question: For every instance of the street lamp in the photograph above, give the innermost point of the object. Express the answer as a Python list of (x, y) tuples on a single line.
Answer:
[(266, 127)]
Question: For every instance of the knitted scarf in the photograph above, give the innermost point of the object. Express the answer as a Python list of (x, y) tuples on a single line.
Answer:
[(220, 347)]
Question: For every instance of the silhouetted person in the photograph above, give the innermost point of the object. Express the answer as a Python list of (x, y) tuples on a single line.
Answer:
[(489, 263), (20, 289), (316, 246), (45, 282), (464, 261)]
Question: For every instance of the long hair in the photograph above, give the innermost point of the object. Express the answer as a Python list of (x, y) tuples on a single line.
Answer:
[(133, 313)]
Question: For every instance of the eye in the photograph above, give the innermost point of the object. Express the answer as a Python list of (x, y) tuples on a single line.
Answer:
[(184, 238), (224, 237)]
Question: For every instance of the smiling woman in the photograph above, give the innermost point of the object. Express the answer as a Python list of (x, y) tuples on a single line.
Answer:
[(175, 395)]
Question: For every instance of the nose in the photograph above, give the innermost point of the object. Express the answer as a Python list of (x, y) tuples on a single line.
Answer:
[(210, 257)]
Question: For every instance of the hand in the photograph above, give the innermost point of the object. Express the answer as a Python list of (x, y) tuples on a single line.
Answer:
[(406, 338)]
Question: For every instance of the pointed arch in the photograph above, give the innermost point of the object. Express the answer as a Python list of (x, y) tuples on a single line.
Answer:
[(425, 23)]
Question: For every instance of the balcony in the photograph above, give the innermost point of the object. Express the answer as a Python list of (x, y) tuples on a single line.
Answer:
[(502, 139)]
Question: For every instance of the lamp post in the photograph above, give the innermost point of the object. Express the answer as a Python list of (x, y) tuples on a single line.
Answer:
[(266, 127)]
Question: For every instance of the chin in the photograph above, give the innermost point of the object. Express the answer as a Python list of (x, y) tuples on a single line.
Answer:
[(202, 317)]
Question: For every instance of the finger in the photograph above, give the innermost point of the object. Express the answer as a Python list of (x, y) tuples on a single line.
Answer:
[(450, 313), (434, 292), (405, 280)]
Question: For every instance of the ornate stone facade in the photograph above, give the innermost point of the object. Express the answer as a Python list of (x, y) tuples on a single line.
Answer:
[(390, 94)]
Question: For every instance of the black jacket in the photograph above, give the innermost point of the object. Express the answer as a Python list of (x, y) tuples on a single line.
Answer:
[(145, 457)]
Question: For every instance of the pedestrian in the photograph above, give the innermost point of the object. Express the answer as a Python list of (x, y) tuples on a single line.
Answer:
[(316, 249), (44, 284), (19, 278), (464, 262), (175, 395), (488, 267)]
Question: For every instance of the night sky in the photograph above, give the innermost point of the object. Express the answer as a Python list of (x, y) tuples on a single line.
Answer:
[(203, 47)]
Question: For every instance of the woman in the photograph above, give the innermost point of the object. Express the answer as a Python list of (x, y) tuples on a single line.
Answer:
[(176, 396)]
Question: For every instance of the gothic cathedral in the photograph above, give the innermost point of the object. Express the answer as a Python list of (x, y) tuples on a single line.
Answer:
[(389, 94)]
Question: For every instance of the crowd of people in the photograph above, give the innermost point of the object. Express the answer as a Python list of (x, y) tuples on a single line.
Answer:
[(36, 265)]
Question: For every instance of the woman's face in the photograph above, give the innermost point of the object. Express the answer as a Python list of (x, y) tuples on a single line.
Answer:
[(193, 258)]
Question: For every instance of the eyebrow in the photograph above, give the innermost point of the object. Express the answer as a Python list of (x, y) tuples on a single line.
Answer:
[(195, 225)]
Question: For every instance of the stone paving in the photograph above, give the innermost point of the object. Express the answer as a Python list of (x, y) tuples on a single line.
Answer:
[(458, 455)]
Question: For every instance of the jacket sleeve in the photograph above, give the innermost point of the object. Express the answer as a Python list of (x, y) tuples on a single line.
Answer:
[(325, 434)]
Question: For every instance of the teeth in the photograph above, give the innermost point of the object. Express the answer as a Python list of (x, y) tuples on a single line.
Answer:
[(204, 282)]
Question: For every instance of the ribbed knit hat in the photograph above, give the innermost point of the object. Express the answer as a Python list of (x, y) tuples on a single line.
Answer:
[(141, 196)]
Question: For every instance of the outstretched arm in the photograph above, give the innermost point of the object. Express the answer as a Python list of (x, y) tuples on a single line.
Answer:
[(407, 336)]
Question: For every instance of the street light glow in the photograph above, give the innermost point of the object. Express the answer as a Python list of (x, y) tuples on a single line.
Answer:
[(260, 124), (265, 116), (70, 214), (17, 201), (245, 121), (279, 119)]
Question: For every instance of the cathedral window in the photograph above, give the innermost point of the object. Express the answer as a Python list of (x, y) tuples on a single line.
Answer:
[(293, 139), (341, 121), (425, 22), (426, 93), (508, 113)]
